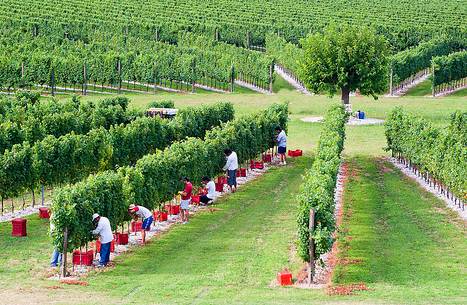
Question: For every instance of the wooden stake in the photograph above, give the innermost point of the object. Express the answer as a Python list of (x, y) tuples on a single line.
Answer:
[(64, 256), (311, 267)]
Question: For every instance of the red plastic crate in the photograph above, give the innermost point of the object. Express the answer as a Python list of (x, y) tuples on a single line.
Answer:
[(241, 172), (252, 164), (83, 258), (219, 187), (267, 158), (121, 238), (136, 226), (259, 164), (284, 278), (112, 246), (172, 209), (195, 199), (18, 227), (222, 180), (160, 216), (295, 153), (44, 212)]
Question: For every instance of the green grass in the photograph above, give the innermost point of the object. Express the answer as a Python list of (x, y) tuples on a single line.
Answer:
[(422, 89), (412, 248)]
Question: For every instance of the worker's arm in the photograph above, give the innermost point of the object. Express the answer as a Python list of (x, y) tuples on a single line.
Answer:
[(227, 164), (98, 229)]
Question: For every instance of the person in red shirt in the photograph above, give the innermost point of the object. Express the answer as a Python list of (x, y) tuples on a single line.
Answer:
[(185, 200)]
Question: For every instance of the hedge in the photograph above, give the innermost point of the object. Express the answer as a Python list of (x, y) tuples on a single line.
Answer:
[(317, 190), (156, 177)]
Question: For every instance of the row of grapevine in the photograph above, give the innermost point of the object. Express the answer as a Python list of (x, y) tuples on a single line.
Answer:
[(450, 70), (28, 119), (438, 154), (245, 23), (156, 177), (69, 158), (317, 190), (45, 61), (406, 64)]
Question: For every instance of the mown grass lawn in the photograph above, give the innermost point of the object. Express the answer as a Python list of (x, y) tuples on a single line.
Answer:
[(404, 243)]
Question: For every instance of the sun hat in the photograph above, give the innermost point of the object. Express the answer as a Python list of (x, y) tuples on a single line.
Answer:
[(94, 216)]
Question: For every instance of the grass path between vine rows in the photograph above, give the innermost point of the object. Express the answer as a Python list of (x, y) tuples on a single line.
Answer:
[(400, 240)]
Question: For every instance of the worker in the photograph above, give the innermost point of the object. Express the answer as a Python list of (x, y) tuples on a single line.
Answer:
[(281, 144), (185, 200), (231, 166), (138, 211), (210, 189), (104, 231)]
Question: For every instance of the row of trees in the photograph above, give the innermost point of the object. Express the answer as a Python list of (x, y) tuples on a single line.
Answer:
[(317, 190), (69, 158), (28, 119), (108, 60), (446, 69), (438, 154), (407, 63), (156, 177)]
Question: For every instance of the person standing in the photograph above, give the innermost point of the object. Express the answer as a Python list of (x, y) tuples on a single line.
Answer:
[(138, 211), (185, 199), (210, 188), (56, 256), (104, 231), (281, 144), (231, 166)]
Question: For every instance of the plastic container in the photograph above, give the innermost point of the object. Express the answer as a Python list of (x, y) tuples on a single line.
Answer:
[(241, 172), (219, 187), (284, 278), (98, 246), (18, 227), (44, 212), (160, 216), (83, 258), (136, 226), (121, 238), (195, 199), (267, 158), (222, 179), (295, 153), (259, 164)]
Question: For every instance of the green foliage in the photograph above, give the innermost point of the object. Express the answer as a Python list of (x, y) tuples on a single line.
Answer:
[(346, 58), (408, 62), (449, 68), (438, 151), (161, 104), (156, 177), (319, 182)]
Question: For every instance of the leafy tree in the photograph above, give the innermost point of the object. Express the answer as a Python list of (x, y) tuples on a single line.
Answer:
[(346, 58)]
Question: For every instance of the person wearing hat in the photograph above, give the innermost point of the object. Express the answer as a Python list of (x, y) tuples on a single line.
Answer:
[(138, 211), (104, 231)]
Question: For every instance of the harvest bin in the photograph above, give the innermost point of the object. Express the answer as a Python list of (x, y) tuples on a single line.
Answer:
[(83, 258), (295, 153), (112, 246), (241, 172), (121, 238), (267, 158), (136, 226), (172, 209), (18, 227), (44, 212), (284, 278), (160, 216)]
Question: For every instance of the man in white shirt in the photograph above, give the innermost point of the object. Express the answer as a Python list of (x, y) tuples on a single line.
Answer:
[(281, 144), (231, 167), (104, 231), (210, 188), (138, 211)]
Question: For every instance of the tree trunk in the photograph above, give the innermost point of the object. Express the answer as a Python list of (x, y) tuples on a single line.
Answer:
[(345, 96)]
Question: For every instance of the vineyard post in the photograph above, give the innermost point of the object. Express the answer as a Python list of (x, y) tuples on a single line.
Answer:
[(119, 67), (271, 69), (22, 69), (85, 79), (390, 83), (311, 267), (157, 34), (64, 256), (232, 78), (433, 79), (193, 68), (248, 39), (216, 37), (52, 81), (42, 194)]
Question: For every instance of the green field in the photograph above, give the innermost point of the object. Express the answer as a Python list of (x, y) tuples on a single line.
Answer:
[(412, 248)]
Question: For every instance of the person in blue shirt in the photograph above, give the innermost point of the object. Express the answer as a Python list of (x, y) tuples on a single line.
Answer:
[(281, 144)]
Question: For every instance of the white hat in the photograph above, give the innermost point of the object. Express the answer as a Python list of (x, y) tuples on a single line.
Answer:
[(131, 207), (94, 216)]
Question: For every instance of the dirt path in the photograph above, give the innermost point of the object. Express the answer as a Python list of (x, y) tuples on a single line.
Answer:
[(252, 87), (279, 70)]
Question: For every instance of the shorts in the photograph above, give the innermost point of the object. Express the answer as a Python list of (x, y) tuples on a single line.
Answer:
[(232, 177), (281, 149), (204, 199), (147, 223), (184, 204)]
